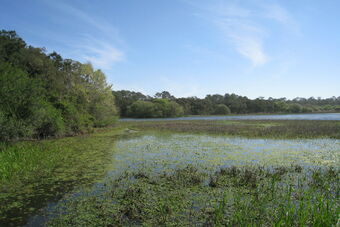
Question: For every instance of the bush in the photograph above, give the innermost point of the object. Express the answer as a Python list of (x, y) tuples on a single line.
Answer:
[(222, 109), (176, 110), (328, 108), (76, 119), (45, 95), (295, 108), (158, 108), (306, 109), (48, 121), (142, 109), (166, 108), (13, 129), (19, 95)]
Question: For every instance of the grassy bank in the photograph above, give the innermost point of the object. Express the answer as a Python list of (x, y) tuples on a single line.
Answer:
[(34, 173), (280, 129), (232, 196)]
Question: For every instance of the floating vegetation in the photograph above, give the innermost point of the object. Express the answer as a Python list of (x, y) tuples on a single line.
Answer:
[(193, 179), (130, 177), (231, 196), (34, 174), (159, 151)]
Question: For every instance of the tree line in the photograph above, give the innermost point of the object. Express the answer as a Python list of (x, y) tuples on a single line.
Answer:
[(43, 95), (136, 104)]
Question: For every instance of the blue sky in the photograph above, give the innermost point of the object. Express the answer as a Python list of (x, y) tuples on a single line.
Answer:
[(288, 48)]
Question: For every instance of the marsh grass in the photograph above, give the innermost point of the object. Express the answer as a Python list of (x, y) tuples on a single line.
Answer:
[(232, 196), (34, 173), (281, 129)]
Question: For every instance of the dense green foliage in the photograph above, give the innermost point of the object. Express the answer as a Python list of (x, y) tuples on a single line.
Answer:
[(156, 108), (215, 104), (222, 109), (125, 98), (43, 95)]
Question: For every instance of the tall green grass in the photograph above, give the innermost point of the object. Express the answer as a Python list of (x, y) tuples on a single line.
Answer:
[(23, 161)]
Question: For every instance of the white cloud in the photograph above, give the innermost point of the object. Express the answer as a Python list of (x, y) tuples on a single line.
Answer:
[(101, 52), (246, 36), (277, 13), (251, 48), (281, 15), (244, 27)]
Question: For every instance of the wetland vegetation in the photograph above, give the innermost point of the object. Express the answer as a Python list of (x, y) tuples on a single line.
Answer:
[(154, 173), (284, 129), (135, 174), (231, 196), (33, 174)]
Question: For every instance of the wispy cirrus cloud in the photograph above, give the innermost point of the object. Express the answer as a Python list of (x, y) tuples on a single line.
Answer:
[(244, 27), (98, 42), (281, 15), (100, 53), (246, 36)]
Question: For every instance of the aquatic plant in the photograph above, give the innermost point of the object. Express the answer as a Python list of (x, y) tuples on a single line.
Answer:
[(240, 196), (37, 172)]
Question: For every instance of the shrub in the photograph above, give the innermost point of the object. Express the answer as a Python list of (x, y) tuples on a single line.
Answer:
[(19, 96), (157, 108), (13, 129), (295, 108), (48, 121), (222, 109), (45, 95), (142, 109)]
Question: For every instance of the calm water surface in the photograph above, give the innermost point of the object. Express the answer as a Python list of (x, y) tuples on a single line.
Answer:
[(321, 116)]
